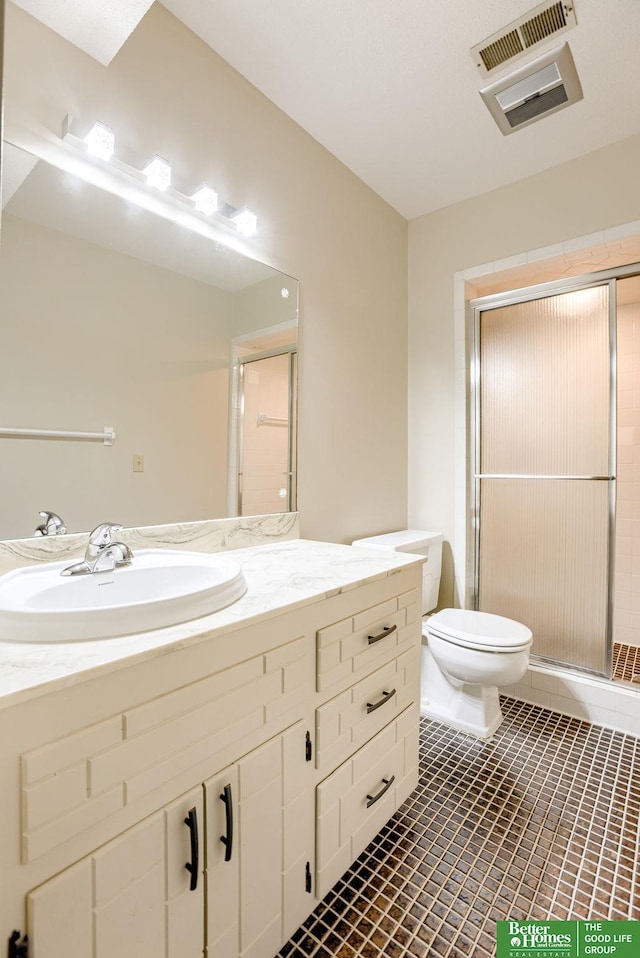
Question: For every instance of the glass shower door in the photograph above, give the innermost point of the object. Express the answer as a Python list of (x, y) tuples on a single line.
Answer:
[(543, 476)]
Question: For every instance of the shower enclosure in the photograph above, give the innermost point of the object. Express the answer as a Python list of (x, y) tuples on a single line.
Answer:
[(544, 405)]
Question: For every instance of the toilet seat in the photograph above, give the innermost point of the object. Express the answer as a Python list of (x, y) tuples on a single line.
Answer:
[(482, 631)]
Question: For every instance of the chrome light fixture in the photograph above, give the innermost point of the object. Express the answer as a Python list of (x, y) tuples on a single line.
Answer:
[(99, 144)]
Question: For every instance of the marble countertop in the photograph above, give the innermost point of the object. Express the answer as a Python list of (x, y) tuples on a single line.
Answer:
[(280, 576)]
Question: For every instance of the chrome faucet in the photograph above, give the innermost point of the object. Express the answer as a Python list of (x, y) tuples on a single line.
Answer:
[(103, 554), (52, 525)]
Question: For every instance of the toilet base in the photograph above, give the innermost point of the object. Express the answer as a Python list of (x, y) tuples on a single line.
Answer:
[(474, 709), (484, 728)]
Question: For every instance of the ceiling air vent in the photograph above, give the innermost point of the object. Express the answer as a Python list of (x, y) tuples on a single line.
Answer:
[(542, 87), (544, 21)]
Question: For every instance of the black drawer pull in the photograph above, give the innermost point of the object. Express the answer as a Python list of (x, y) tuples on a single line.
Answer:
[(192, 867), (386, 630), (372, 799), (386, 697), (227, 840)]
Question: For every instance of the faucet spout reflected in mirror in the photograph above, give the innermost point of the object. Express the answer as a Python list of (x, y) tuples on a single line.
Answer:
[(103, 553), (52, 525)]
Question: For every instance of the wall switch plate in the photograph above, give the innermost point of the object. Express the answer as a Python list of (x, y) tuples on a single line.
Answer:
[(138, 463)]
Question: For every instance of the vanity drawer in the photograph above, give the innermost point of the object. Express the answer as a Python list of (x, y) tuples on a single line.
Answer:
[(352, 648), (350, 719), (355, 801)]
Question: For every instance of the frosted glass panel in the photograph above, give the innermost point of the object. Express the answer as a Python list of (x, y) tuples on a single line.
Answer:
[(544, 392), (543, 561)]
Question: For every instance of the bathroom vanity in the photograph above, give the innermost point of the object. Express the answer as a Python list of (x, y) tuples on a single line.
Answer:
[(198, 789)]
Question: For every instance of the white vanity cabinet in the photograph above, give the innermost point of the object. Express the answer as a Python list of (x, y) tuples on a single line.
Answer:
[(289, 739), (219, 849)]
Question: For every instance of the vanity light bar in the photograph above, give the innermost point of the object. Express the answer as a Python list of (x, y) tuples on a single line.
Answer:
[(99, 143)]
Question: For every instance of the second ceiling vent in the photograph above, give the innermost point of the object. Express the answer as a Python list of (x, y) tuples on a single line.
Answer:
[(544, 21)]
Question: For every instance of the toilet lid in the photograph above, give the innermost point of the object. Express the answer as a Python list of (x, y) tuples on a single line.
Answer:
[(480, 630)]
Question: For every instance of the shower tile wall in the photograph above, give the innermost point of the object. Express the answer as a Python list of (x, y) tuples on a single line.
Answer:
[(627, 574)]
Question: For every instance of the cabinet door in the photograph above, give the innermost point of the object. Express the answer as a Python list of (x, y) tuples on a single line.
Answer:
[(261, 842), (222, 864), (256, 888), (184, 906), (129, 899)]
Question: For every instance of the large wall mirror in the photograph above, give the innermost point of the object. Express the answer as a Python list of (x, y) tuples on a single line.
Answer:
[(115, 317)]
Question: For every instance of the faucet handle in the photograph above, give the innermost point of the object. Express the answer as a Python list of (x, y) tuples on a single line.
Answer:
[(100, 539), (101, 535)]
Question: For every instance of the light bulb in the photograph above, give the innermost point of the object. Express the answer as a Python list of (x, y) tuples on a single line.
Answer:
[(100, 141), (284, 292), (205, 199), (246, 221), (158, 173)]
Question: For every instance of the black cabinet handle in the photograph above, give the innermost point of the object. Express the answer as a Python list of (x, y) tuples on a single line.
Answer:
[(18, 949), (191, 821), (386, 697), (372, 799), (227, 840), (386, 630)]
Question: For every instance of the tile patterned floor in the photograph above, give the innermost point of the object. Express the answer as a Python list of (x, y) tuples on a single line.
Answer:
[(626, 662), (541, 822)]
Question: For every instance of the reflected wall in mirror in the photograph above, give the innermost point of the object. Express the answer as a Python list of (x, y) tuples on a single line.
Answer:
[(113, 316)]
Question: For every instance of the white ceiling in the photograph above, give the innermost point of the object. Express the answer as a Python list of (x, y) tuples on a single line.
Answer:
[(390, 88), (99, 27)]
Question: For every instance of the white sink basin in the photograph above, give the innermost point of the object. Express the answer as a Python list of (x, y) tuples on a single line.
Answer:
[(160, 588)]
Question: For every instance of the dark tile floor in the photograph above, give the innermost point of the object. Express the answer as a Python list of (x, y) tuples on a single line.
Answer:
[(541, 822), (626, 662)]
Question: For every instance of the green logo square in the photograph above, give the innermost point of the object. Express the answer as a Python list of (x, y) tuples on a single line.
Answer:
[(567, 939)]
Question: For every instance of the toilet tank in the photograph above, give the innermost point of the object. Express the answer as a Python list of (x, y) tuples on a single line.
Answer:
[(427, 544)]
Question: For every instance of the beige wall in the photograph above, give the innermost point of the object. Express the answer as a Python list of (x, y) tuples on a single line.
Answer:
[(167, 93), (593, 193)]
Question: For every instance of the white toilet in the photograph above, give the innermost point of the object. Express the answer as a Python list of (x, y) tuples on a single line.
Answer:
[(466, 655)]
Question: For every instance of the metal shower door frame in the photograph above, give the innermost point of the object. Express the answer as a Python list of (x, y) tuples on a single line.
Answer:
[(527, 294)]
